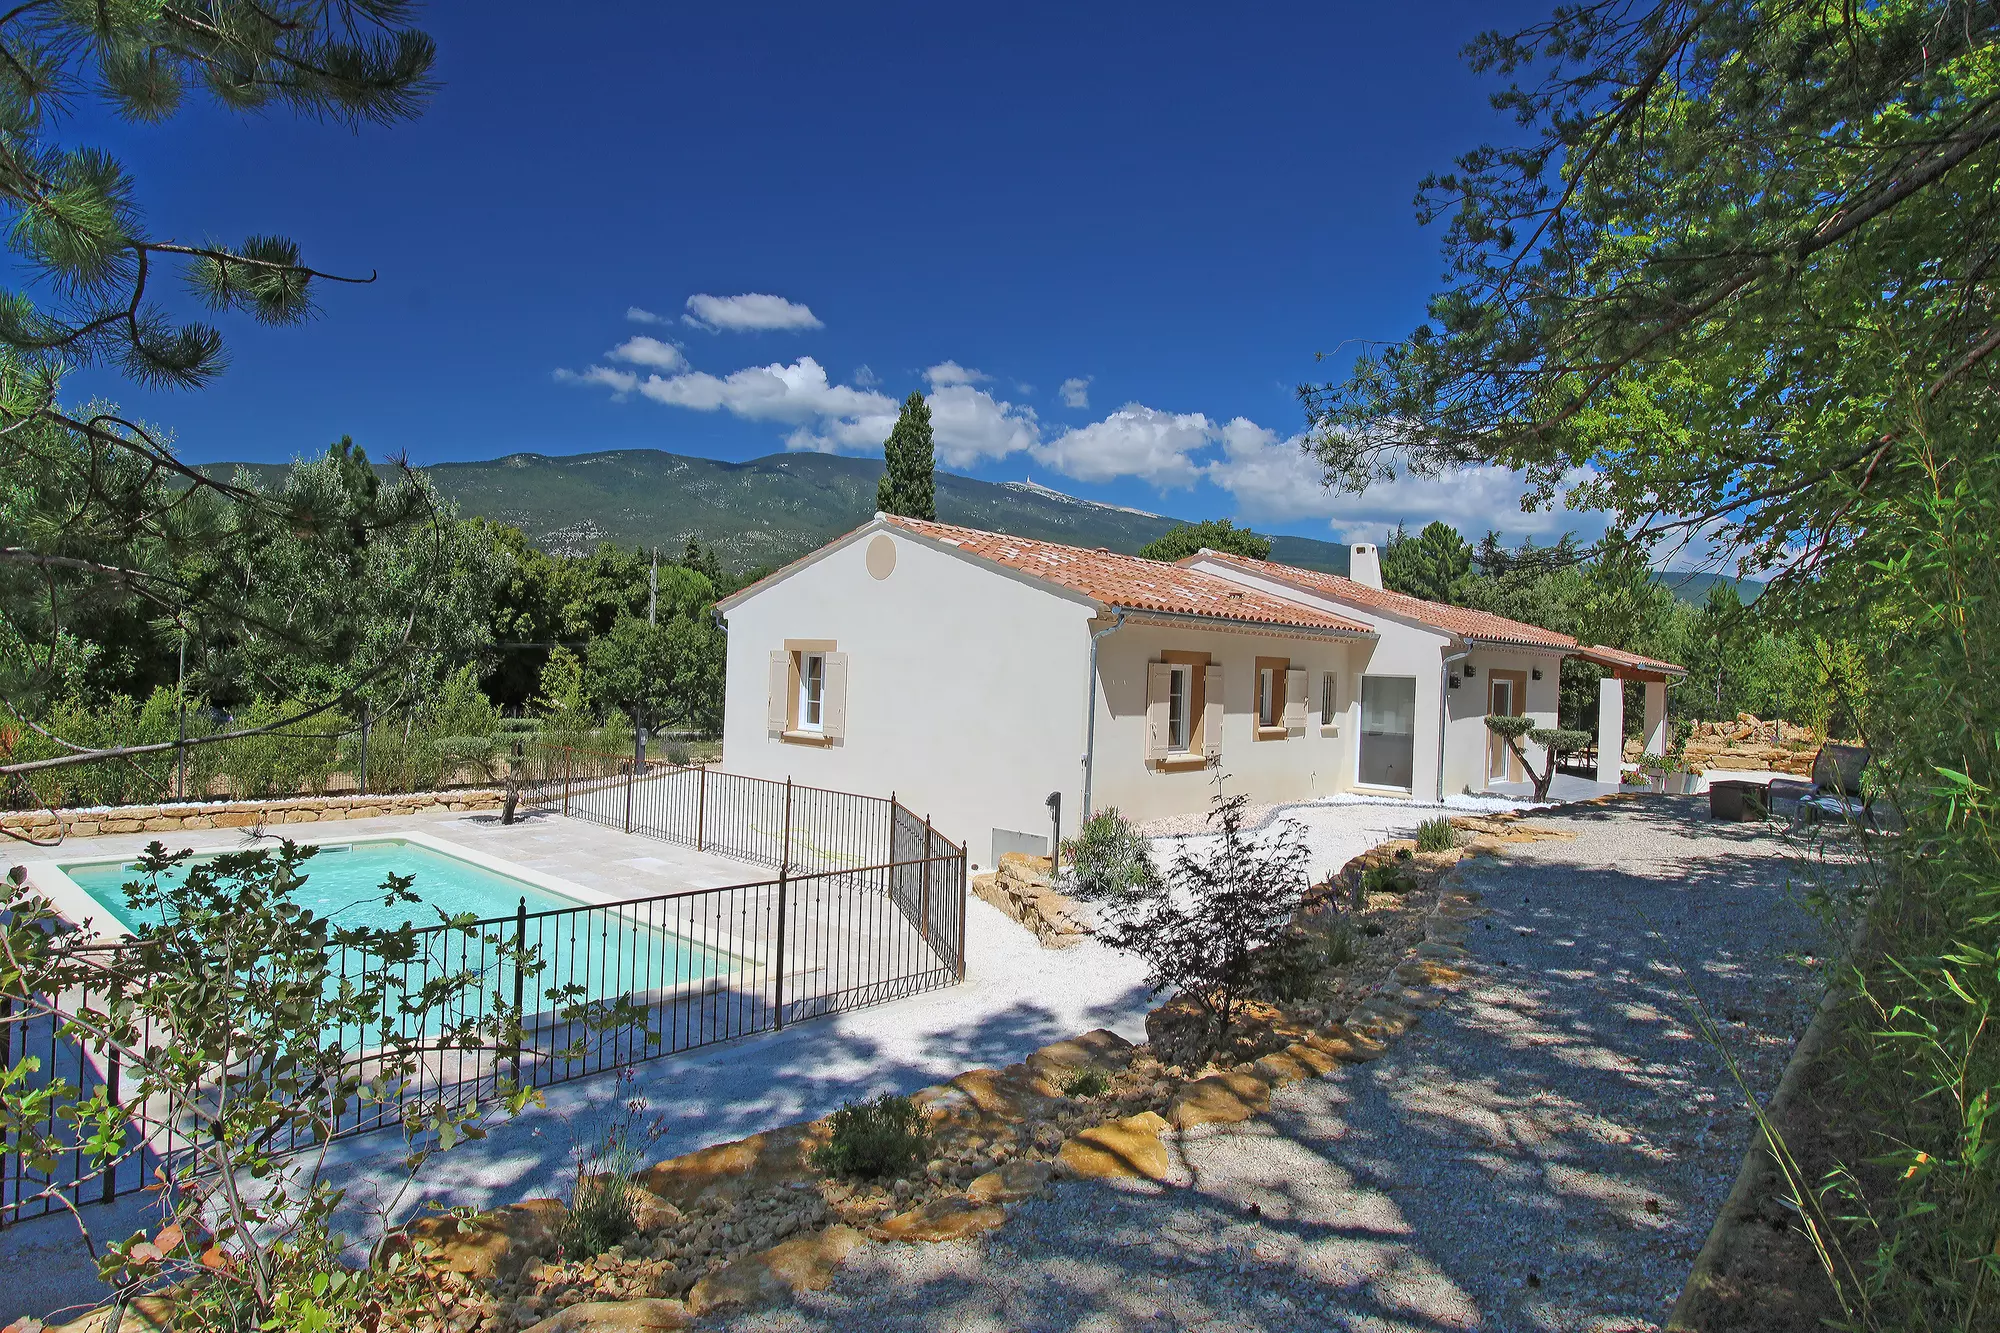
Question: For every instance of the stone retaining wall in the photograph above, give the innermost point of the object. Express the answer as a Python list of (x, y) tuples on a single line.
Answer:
[(47, 826)]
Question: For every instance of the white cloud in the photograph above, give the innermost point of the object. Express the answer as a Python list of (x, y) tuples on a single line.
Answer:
[(1135, 441), (638, 315), (750, 312), (971, 425), (650, 352), (1474, 500), (827, 415), (950, 372), (620, 382), (1272, 479), (1076, 391)]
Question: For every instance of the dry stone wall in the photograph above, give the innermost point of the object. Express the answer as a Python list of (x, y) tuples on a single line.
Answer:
[(53, 825), (1023, 889)]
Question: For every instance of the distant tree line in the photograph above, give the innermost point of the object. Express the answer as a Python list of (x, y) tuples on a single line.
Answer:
[(488, 636), (1737, 661)]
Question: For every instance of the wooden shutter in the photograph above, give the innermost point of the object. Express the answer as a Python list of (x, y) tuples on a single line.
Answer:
[(1158, 683), (1295, 698), (833, 697), (778, 706), (1211, 712)]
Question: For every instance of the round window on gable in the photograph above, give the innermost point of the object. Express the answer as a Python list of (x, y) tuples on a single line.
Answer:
[(881, 556)]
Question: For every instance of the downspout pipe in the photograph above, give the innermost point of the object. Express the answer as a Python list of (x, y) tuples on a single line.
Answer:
[(1090, 712), (1444, 708)]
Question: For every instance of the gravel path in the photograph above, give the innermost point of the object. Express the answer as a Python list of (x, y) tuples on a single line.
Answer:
[(1544, 1152)]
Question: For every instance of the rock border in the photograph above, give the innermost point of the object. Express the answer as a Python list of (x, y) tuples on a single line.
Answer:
[(47, 825), (1713, 1297), (972, 1113)]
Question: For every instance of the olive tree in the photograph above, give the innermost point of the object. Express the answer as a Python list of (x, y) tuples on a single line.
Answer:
[(1555, 742)]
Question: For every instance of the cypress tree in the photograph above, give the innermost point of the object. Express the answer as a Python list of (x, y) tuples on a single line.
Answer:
[(907, 487)]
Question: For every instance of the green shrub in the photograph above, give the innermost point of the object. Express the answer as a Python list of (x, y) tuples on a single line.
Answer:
[(874, 1140), (1436, 835), (1294, 967), (678, 754), (1387, 878), (600, 1215), (1109, 861), (1084, 1081)]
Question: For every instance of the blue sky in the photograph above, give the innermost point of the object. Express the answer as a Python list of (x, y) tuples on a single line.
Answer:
[(1108, 240)]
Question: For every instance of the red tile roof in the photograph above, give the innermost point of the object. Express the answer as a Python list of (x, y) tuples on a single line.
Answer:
[(1618, 659), (1483, 626), (1132, 582)]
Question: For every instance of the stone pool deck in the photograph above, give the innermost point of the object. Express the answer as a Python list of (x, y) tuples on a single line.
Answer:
[(1016, 996), (613, 863)]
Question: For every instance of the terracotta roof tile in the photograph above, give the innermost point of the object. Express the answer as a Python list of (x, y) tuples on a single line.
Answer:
[(1132, 582), (1459, 620), (1618, 657)]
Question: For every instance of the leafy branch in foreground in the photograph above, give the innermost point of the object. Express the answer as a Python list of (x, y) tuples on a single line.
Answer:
[(99, 517), (1737, 372), (250, 1031)]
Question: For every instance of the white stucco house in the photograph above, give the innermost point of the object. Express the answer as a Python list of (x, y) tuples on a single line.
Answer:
[(974, 674)]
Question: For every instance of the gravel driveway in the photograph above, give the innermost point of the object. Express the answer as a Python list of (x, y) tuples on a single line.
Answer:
[(1544, 1152)]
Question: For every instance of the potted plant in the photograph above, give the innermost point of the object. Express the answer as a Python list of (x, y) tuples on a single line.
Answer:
[(1676, 779)]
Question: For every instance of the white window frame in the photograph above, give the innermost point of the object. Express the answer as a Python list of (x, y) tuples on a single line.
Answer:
[(1329, 697), (1180, 688), (1268, 684), (812, 701)]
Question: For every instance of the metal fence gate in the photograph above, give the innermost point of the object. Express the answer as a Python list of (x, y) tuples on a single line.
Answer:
[(867, 904)]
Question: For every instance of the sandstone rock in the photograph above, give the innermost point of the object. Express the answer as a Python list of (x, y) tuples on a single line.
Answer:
[(1219, 1099), (985, 1100), (494, 1246), (641, 1316), (732, 1171), (1378, 1019), (1034, 871), (1313, 1057), (1099, 1048), (804, 1263), (953, 1217), (146, 1314), (1120, 1148), (1340, 1041), (1406, 998), (1280, 1068), (1022, 1178), (650, 1212)]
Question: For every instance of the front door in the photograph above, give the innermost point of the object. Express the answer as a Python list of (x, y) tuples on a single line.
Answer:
[(1499, 703)]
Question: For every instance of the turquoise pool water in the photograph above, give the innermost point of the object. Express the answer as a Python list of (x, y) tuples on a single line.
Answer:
[(343, 882)]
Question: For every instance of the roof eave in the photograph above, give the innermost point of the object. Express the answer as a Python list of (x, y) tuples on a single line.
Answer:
[(1242, 622)]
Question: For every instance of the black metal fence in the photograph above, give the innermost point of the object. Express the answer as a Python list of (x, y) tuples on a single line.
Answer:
[(868, 905)]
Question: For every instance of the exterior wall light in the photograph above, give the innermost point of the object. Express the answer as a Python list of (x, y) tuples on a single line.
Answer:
[(1470, 671), (1536, 673), (1454, 680)]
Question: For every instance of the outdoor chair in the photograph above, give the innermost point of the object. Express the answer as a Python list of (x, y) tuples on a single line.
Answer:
[(1837, 790)]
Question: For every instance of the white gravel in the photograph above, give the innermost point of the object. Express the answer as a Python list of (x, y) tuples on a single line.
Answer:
[(1494, 1172), (1016, 996)]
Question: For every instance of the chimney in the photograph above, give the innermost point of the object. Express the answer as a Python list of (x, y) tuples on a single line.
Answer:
[(1364, 566)]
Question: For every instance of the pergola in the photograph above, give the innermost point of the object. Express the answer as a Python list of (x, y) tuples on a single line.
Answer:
[(1624, 666)]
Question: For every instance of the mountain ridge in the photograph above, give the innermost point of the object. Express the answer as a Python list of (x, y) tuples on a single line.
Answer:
[(769, 510)]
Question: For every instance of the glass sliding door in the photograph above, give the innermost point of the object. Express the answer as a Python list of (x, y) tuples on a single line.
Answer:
[(1388, 730)]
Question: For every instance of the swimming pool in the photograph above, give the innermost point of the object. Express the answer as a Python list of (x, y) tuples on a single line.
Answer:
[(342, 881)]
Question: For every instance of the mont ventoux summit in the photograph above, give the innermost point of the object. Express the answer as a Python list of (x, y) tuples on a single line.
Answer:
[(769, 510)]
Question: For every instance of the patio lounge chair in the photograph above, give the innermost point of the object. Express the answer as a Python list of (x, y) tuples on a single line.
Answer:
[(1836, 788)]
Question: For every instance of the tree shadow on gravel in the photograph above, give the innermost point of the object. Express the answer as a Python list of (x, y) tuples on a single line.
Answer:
[(1546, 1150)]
